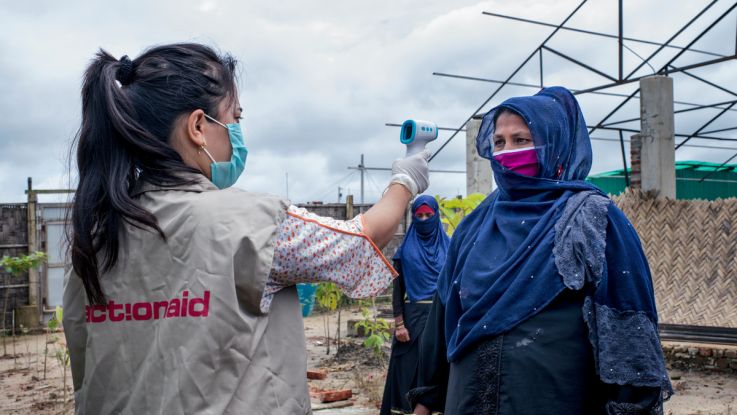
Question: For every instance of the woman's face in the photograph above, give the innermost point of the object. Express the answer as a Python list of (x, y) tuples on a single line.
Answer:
[(194, 131), (511, 133), (424, 215), (218, 141)]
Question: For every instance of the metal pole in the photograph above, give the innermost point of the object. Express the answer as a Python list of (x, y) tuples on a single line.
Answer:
[(661, 71), (717, 105), (363, 169), (630, 130), (624, 156), (610, 94), (667, 42), (579, 63), (719, 87), (509, 78), (601, 34), (541, 69), (616, 140), (717, 169), (720, 130), (697, 132), (621, 33)]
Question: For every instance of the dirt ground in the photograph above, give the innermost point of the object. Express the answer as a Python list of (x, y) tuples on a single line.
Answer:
[(25, 387), (697, 393), (25, 390)]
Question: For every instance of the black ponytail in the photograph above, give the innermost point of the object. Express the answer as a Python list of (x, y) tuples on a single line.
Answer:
[(128, 112)]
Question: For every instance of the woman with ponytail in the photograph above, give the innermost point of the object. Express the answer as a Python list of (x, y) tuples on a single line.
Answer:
[(181, 297)]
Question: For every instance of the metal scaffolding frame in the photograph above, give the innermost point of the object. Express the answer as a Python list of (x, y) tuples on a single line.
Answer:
[(621, 79)]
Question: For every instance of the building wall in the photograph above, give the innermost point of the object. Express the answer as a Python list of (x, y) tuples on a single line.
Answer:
[(13, 242)]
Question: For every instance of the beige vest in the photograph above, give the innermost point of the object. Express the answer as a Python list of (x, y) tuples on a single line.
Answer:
[(182, 332)]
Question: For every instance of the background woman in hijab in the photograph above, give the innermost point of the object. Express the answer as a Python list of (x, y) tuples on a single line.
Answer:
[(545, 304), (418, 260)]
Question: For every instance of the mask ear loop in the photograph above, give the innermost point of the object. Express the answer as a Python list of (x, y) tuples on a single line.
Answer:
[(202, 147), (204, 143), (216, 121)]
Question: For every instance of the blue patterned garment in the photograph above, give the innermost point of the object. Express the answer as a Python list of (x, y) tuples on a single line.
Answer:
[(422, 253), (536, 236)]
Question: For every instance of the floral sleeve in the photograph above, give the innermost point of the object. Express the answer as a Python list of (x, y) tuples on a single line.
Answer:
[(311, 248)]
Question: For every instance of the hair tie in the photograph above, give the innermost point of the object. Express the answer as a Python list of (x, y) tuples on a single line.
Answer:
[(125, 70)]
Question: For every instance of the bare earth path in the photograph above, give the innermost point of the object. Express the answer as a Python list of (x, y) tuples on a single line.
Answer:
[(23, 389)]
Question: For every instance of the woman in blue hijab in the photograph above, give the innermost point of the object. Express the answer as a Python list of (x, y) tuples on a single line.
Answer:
[(545, 304), (419, 261)]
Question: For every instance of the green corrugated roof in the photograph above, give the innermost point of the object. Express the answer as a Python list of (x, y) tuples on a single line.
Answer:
[(704, 166), (720, 183)]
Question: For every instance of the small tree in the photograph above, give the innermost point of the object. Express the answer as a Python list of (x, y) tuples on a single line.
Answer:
[(453, 210), (329, 296), (376, 330), (16, 267)]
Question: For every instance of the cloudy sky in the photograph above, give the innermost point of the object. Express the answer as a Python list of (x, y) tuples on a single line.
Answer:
[(320, 79)]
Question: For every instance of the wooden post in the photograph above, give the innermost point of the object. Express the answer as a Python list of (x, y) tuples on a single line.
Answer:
[(33, 285), (349, 207), (30, 315)]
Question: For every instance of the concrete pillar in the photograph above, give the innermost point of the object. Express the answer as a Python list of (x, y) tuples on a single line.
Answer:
[(478, 170), (658, 153)]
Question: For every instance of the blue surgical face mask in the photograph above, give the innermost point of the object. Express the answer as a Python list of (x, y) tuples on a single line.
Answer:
[(224, 174)]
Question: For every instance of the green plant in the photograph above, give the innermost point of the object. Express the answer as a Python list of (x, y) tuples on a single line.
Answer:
[(453, 210), (62, 355), (377, 332), (16, 267), (329, 297), (25, 332), (52, 325)]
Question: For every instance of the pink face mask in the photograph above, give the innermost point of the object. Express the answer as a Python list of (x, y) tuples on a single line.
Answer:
[(521, 161)]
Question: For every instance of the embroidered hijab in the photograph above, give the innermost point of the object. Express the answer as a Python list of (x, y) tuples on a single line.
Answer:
[(536, 236)]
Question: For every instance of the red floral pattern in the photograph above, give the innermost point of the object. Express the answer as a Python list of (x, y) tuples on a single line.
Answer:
[(313, 248)]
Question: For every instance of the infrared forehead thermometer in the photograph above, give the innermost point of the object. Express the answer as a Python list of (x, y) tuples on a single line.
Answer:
[(416, 134)]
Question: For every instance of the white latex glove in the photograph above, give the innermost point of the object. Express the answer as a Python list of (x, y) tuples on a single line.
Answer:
[(412, 172)]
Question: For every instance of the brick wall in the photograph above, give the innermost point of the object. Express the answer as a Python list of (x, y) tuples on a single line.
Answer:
[(13, 242), (716, 358)]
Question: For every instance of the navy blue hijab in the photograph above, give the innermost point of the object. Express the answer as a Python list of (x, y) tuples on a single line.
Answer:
[(422, 253), (518, 250)]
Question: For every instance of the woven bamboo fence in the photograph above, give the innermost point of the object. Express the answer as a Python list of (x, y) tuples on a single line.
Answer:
[(691, 246)]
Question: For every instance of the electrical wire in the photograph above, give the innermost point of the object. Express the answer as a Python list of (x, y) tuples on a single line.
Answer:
[(330, 188)]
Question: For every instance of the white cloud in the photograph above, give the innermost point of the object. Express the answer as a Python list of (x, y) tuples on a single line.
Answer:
[(320, 79)]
